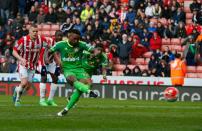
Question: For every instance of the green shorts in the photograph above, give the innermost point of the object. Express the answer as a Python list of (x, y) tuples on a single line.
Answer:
[(79, 73)]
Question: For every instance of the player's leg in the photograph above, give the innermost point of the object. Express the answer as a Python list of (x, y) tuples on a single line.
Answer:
[(23, 72), (42, 86), (54, 73), (53, 89)]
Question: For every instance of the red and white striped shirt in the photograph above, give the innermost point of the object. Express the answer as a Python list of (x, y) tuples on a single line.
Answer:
[(51, 42), (30, 50)]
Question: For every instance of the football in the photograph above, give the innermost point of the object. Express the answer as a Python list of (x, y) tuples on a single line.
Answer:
[(171, 94)]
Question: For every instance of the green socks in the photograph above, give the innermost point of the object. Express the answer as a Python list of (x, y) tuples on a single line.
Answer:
[(73, 99)]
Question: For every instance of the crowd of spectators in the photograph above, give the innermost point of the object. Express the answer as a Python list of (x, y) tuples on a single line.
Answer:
[(126, 29)]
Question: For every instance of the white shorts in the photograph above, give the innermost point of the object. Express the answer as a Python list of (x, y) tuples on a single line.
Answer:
[(49, 68), (26, 73)]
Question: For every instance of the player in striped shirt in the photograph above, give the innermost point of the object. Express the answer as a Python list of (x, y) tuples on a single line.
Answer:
[(48, 65), (27, 50)]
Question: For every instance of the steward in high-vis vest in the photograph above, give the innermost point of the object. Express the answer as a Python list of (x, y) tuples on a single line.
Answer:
[(178, 71)]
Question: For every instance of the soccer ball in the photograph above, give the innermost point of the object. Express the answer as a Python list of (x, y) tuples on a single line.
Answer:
[(171, 94)]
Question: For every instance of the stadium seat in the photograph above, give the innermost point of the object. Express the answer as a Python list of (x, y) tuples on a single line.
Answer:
[(46, 27), (131, 66), (165, 41), (140, 61), (147, 54), (39, 32), (175, 41), (191, 75), (191, 69), (119, 67), (189, 21), (114, 73), (45, 33), (116, 61), (143, 67), (177, 48), (132, 61), (187, 10), (189, 15), (199, 75), (119, 73), (55, 27), (199, 69), (39, 27)]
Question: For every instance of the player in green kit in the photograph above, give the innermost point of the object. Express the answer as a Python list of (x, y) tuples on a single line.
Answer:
[(92, 61), (71, 54)]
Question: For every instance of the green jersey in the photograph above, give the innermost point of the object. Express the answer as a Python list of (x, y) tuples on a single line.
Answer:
[(90, 62), (71, 56)]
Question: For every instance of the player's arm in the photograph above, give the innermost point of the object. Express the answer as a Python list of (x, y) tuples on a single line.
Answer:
[(16, 49)]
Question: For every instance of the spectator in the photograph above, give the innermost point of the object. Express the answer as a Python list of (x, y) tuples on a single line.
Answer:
[(154, 72), (167, 55), (4, 65), (195, 5), (124, 50), (169, 31), (166, 12), (156, 10), (163, 69), (33, 15), (127, 71), (79, 26), (2, 32), (114, 27), (179, 16), (12, 66), (51, 17), (61, 15), (9, 26), (113, 50), (5, 8), (149, 10), (41, 16), (65, 27), (160, 29), (180, 30), (155, 42), (136, 71), (152, 27), (87, 13), (153, 63), (105, 23), (197, 17), (106, 6), (137, 48), (22, 7), (130, 16)]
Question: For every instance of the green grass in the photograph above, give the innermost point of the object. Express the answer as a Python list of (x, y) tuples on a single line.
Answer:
[(102, 115)]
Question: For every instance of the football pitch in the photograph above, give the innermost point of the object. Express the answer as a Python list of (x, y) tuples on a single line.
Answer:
[(101, 115)]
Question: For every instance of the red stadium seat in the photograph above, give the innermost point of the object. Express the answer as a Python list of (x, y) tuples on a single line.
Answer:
[(116, 61), (132, 61), (189, 15), (55, 27), (187, 10), (166, 41), (46, 27), (191, 75), (45, 33), (119, 73), (175, 41), (143, 67), (177, 48), (189, 21), (131, 66), (119, 67), (147, 54), (164, 46), (39, 27), (140, 61), (191, 69), (199, 69), (199, 75), (114, 73)]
